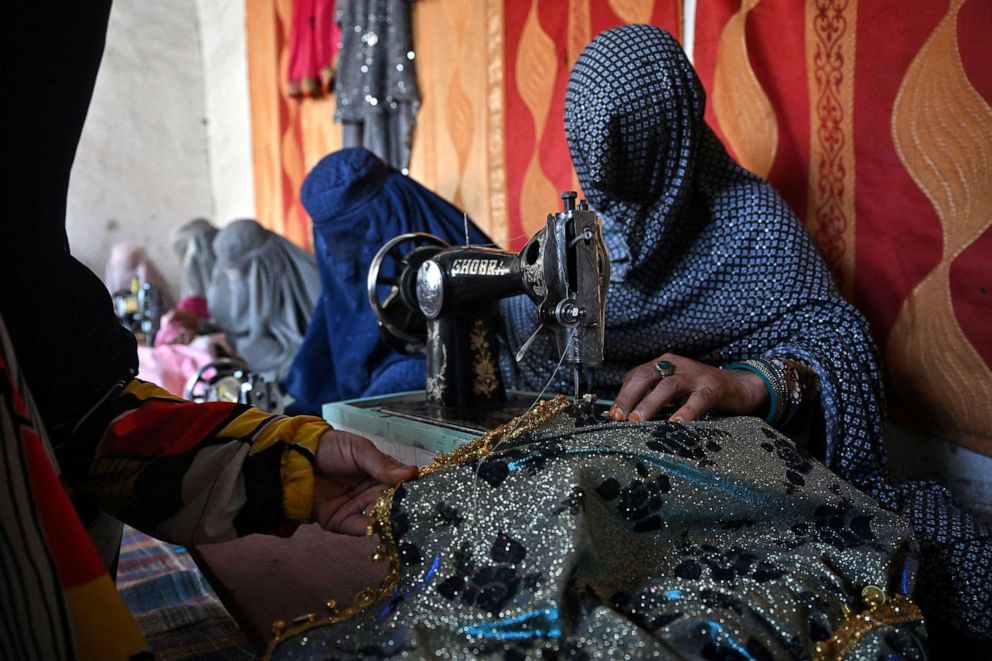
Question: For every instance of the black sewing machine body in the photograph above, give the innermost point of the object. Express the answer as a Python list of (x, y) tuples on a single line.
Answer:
[(443, 300), (140, 310)]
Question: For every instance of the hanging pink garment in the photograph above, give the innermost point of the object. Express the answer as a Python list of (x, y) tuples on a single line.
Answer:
[(313, 46)]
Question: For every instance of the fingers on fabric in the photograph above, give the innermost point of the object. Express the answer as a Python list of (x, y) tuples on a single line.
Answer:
[(356, 520), (699, 402), (636, 384), (668, 389), (383, 468)]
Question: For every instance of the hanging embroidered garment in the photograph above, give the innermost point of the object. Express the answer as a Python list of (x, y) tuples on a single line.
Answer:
[(705, 540), (376, 84), (314, 36)]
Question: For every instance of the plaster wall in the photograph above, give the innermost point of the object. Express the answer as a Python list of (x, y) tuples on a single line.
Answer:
[(167, 137), (225, 81)]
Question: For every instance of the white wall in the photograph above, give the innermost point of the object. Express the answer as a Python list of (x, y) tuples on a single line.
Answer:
[(225, 79), (168, 134)]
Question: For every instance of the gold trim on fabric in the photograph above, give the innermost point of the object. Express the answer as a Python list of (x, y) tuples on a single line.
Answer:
[(498, 229), (942, 130), (381, 513), (830, 55), (740, 104), (898, 610)]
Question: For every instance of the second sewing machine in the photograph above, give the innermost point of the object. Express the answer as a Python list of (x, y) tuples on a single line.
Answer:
[(443, 300)]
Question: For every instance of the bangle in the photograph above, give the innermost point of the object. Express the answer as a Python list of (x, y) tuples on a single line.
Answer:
[(774, 380)]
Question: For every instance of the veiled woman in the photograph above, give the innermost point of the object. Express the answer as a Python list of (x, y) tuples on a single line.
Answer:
[(262, 294), (711, 269)]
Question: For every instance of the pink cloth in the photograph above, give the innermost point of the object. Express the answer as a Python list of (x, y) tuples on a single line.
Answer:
[(171, 365), (195, 304), (172, 331), (313, 46)]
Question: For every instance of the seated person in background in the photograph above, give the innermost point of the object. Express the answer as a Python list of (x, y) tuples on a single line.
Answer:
[(194, 245), (711, 269), (357, 203), (129, 260), (262, 292)]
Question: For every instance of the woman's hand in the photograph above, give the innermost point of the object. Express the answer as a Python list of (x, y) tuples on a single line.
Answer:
[(645, 391), (349, 473)]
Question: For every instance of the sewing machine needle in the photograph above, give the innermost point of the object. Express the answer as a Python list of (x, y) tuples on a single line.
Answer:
[(577, 373)]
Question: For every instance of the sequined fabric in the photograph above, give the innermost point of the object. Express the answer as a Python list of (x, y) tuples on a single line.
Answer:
[(708, 262), (712, 539), (376, 84)]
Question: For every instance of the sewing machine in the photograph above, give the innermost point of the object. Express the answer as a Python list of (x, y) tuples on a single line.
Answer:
[(443, 300), (140, 310)]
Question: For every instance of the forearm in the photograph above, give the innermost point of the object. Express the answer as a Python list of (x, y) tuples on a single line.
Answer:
[(196, 473)]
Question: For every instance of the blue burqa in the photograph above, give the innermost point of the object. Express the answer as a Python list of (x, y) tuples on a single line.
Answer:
[(357, 204)]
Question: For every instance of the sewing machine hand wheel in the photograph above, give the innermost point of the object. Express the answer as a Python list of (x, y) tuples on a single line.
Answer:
[(392, 287), (218, 381)]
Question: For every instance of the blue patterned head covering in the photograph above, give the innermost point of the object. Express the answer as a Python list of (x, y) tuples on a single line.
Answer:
[(634, 125)]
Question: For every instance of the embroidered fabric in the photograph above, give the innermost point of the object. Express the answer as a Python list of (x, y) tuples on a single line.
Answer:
[(711, 539)]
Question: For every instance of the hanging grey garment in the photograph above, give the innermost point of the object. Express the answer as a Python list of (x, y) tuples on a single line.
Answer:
[(194, 244), (717, 540), (262, 294), (375, 83)]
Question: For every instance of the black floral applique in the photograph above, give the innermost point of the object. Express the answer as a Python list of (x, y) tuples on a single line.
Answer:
[(651, 608), (409, 553), (641, 500), (798, 462), (694, 443), (721, 650), (447, 515), (492, 470), (834, 524), (820, 621), (726, 565), (489, 587)]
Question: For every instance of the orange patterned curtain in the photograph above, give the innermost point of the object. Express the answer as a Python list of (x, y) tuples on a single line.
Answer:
[(289, 136), (875, 124)]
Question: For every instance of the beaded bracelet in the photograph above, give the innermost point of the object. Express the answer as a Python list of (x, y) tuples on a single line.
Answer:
[(775, 381)]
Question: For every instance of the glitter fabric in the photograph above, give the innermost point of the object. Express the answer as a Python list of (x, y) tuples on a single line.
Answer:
[(375, 85), (712, 539), (708, 262)]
